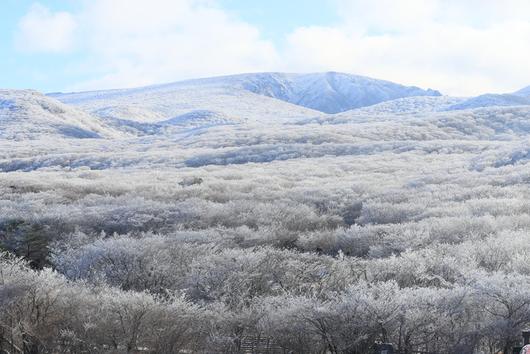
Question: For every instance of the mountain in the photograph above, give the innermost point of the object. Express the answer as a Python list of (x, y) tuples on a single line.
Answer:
[(261, 96), (408, 105), (28, 114), (159, 103), (329, 92), (517, 98), (490, 100), (523, 92)]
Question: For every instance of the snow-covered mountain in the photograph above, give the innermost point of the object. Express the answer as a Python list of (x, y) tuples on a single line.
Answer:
[(517, 98), (220, 190), (27, 114), (261, 96), (491, 100), (409, 105), (159, 103), (525, 92), (329, 92)]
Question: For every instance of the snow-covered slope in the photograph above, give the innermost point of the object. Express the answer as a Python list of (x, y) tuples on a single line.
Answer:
[(27, 114), (198, 118), (329, 92), (159, 103), (490, 100), (253, 97), (525, 92), (517, 98), (409, 105)]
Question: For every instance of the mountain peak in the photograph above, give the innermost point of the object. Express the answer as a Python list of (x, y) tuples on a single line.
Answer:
[(328, 92)]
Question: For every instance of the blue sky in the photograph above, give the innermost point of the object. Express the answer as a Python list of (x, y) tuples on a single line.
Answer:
[(461, 47), (19, 69)]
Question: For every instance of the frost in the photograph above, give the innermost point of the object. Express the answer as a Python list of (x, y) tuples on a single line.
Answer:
[(213, 215)]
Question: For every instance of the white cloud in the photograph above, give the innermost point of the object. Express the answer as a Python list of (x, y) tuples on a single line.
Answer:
[(138, 42), (459, 47), (41, 30)]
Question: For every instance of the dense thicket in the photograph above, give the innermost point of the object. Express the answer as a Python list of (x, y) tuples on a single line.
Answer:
[(422, 242)]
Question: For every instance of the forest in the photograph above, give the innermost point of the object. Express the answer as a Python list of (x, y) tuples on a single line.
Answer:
[(411, 231)]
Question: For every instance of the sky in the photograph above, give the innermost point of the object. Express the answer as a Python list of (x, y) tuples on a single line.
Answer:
[(460, 47)]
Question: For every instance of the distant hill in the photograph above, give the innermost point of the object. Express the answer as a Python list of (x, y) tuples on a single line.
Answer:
[(329, 92), (261, 96), (409, 105), (27, 114), (523, 92), (490, 100)]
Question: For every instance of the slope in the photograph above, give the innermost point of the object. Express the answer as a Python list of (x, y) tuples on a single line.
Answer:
[(253, 97), (491, 100), (27, 114)]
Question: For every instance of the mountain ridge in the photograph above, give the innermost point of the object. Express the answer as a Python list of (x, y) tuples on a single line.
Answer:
[(328, 92)]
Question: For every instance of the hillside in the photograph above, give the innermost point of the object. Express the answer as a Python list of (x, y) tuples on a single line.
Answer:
[(26, 114), (253, 97), (163, 102), (525, 92), (408, 105), (491, 100), (329, 92)]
